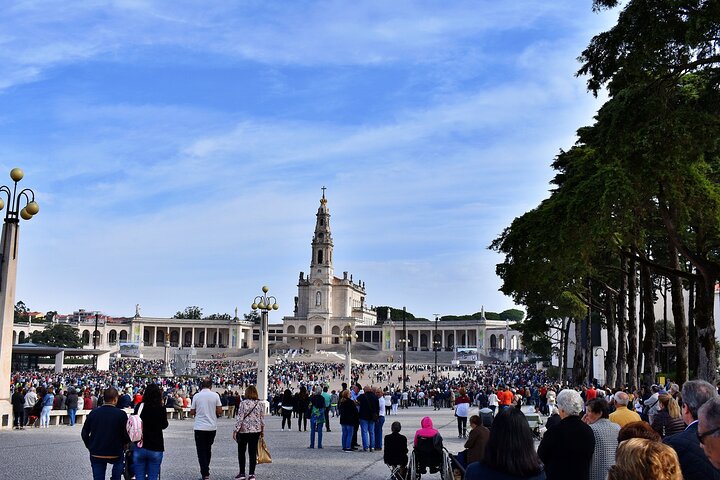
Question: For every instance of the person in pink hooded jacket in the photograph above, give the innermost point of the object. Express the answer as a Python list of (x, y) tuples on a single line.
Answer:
[(427, 431)]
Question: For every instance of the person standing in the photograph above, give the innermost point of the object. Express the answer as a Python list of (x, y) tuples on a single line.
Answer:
[(348, 419), (301, 407), (317, 417), (18, 404), (148, 454), (249, 426), (206, 408), (105, 436), (567, 449), (606, 437), (462, 408), (286, 409), (72, 405), (668, 420), (328, 399), (368, 413), (30, 399), (693, 461), (381, 419), (47, 406)]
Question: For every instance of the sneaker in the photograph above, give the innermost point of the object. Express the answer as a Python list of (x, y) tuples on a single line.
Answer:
[(240, 476), (251, 477)]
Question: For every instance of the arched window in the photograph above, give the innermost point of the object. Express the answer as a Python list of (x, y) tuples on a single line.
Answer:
[(21, 337), (146, 336), (320, 256), (302, 329), (188, 339), (86, 337), (123, 335), (336, 331), (291, 329), (318, 299), (318, 331), (493, 341), (14, 337), (174, 337), (160, 337), (112, 337)]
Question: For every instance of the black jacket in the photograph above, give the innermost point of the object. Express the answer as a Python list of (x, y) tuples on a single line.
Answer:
[(104, 432), (567, 450), (396, 449), (369, 406), (154, 422), (72, 401), (693, 462), (348, 412), (18, 401)]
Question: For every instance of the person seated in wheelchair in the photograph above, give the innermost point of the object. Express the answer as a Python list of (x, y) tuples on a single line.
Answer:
[(428, 445), (395, 453)]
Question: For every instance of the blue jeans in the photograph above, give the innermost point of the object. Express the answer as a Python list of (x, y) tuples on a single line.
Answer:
[(367, 428), (347, 436), (71, 412), (45, 416), (378, 432), (315, 426), (146, 462), (99, 465)]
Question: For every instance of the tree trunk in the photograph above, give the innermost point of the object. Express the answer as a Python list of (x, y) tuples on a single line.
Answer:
[(610, 368), (578, 373), (705, 324), (678, 312), (692, 332), (650, 370), (641, 328), (621, 378), (588, 359), (566, 335), (632, 327)]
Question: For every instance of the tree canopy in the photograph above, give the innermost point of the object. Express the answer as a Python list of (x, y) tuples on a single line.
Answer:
[(57, 335)]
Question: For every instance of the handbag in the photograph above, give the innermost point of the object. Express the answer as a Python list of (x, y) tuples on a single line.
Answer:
[(263, 454)]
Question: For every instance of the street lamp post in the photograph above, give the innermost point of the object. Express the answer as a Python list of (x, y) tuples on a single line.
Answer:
[(8, 274), (405, 340), (348, 335), (168, 371), (436, 343), (95, 338), (265, 303)]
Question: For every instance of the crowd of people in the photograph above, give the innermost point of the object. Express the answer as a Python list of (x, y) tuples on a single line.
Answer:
[(592, 432)]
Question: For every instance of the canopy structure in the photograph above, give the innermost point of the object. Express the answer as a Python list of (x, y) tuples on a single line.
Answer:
[(25, 355)]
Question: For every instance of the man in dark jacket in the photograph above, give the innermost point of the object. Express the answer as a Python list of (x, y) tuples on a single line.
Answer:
[(105, 436), (72, 404), (368, 412), (567, 448), (693, 462), (18, 404)]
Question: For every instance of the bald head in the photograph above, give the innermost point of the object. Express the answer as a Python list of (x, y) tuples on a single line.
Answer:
[(622, 398)]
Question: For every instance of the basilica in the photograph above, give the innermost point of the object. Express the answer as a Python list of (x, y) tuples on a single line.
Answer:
[(326, 307)]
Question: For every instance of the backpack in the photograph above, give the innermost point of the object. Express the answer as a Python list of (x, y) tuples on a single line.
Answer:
[(134, 427)]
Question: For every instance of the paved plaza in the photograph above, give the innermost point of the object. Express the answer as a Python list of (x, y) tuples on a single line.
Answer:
[(58, 452)]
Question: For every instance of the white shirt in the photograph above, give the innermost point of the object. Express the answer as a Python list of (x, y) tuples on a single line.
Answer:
[(204, 403), (493, 399), (381, 401)]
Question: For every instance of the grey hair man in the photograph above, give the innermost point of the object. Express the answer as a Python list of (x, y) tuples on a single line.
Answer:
[(622, 415), (567, 448), (709, 430), (694, 463)]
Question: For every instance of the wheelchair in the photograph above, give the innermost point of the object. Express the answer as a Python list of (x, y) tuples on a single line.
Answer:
[(428, 456)]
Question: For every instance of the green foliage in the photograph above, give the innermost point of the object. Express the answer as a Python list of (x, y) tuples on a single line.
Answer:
[(191, 312), (21, 312), (253, 316), (57, 335), (218, 316), (396, 315)]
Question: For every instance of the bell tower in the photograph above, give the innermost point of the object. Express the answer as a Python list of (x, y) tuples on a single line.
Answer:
[(321, 267)]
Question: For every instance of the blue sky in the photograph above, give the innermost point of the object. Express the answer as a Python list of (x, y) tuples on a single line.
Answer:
[(177, 150)]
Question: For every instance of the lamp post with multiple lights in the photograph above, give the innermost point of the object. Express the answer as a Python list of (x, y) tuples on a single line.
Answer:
[(348, 335), (8, 274), (265, 303)]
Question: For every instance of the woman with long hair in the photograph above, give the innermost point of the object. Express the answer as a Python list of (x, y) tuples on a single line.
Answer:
[(510, 451), (286, 408), (148, 454), (668, 420), (302, 403), (249, 426), (348, 419), (640, 459), (47, 405)]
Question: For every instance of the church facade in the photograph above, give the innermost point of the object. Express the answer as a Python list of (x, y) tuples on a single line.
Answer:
[(326, 304)]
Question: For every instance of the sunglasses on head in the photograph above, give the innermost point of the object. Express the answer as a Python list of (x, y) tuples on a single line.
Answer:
[(701, 436)]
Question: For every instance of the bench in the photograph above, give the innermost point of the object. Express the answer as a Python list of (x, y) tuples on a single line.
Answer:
[(61, 417)]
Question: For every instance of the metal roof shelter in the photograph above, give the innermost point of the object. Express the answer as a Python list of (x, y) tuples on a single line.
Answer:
[(25, 355)]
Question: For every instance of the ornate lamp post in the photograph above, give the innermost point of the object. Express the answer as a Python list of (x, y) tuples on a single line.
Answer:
[(168, 371), (265, 304), (8, 274), (436, 344), (348, 335)]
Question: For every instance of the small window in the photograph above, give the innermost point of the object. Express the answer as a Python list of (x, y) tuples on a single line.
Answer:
[(322, 222), (320, 256)]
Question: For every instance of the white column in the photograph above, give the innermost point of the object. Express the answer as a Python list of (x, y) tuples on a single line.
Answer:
[(154, 339), (217, 338), (180, 338), (205, 342), (262, 374), (59, 361), (192, 341)]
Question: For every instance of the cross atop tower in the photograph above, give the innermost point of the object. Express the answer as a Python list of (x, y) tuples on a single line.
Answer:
[(323, 189)]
